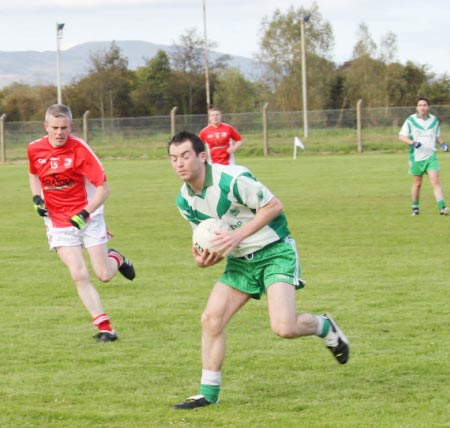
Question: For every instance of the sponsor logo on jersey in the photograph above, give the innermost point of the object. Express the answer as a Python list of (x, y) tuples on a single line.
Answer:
[(57, 183)]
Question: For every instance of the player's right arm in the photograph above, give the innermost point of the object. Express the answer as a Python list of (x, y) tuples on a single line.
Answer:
[(405, 135), (406, 140), (35, 187), (206, 258), (35, 184)]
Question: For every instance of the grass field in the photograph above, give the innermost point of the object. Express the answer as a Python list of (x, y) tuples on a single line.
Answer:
[(382, 274), (280, 143)]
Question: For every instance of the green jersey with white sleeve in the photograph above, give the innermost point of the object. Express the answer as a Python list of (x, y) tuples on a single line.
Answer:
[(231, 193), (425, 131)]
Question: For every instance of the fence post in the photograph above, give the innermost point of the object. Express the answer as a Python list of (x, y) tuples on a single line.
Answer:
[(2, 137), (172, 120), (265, 130), (359, 125), (85, 125)]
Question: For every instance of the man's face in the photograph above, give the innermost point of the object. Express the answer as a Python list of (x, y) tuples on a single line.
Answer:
[(58, 130), (215, 117), (422, 108), (186, 163)]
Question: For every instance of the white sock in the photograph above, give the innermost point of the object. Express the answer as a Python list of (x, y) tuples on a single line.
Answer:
[(320, 322), (211, 378)]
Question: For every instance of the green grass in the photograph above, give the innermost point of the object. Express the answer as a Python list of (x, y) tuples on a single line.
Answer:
[(381, 273)]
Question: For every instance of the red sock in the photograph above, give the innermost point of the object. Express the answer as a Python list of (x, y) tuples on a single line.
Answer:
[(102, 322), (116, 257)]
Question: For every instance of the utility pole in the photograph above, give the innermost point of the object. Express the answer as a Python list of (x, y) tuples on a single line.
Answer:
[(59, 35), (208, 97), (304, 90)]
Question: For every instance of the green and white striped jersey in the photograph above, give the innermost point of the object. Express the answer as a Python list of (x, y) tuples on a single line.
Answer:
[(425, 132), (232, 194)]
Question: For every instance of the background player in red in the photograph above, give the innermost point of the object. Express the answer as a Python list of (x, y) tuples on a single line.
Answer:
[(221, 138), (69, 187)]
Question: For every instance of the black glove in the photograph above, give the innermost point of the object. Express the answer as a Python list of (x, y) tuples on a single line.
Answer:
[(80, 220), (39, 206), (416, 144)]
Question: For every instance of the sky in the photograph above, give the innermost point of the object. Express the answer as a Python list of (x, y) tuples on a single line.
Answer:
[(422, 27)]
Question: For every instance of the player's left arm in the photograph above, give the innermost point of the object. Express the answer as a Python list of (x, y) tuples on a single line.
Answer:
[(228, 241), (237, 138), (235, 146), (440, 140), (101, 194), (263, 217), (81, 219)]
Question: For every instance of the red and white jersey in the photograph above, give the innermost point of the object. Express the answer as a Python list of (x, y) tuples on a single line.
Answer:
[(219, 139), (68, 176)]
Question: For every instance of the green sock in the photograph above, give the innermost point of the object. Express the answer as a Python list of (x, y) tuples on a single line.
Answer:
[(210, 392), (415, 204), (326, 328), (441, 204)]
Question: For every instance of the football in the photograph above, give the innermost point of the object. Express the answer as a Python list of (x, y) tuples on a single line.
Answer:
[(201, 238)]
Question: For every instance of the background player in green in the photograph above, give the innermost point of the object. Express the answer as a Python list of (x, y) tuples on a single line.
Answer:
[(260, 258), (421, 131)]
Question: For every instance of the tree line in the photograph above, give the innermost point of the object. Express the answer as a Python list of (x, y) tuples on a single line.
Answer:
[(111, 89)]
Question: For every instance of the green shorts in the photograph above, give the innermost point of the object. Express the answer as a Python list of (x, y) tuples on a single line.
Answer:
[(421, 167), (254, 273)]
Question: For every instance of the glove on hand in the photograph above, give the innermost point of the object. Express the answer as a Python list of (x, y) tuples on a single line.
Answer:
[(416, 144), (80, 220), (444, 147), (39, 206)]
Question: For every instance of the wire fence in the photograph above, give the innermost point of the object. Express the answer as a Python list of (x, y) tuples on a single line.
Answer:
[(328, 131)]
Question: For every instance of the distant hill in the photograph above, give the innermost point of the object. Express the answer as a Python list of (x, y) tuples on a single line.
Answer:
[(39, 68)]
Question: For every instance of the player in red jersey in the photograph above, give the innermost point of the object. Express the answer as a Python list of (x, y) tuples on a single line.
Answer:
[(221, 138), (69, 187)]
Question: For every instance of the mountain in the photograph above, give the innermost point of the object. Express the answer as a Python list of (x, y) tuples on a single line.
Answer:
[(39, 68)]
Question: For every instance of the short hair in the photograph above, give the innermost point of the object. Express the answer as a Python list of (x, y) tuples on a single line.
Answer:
[(212, 108), (423, 99), (197, 144), (58, 110)]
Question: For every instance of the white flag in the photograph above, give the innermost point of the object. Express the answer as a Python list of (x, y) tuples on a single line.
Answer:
[(298, 143)]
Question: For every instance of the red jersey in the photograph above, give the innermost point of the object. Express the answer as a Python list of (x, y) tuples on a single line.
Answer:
[(219, 139), (68, 176)]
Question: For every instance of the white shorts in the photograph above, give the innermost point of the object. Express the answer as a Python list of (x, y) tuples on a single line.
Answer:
[(95, 233)]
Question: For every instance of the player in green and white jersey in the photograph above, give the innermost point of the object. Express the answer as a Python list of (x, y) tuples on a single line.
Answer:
[(261, 258), (421, 131)]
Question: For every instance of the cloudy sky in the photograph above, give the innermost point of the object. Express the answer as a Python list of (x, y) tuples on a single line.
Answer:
[(422, 27)]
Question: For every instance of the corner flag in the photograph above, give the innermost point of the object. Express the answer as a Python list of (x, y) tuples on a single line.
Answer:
[(297, 143)]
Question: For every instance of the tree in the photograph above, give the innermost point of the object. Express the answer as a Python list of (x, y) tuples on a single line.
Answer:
[(23, 102), (187, 55), (280, 52), (365, 46), (188, 61), (374, 76), (415, 77), (396, 85), (151, 93), (389, 48), (107, 87), (362, 77), (439, 90), (235, 94)]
